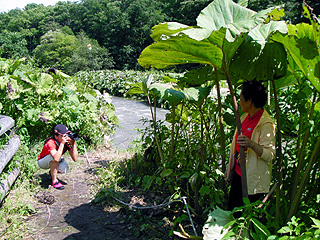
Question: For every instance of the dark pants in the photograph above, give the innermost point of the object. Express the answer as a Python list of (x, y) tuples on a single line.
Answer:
[(235, 195)]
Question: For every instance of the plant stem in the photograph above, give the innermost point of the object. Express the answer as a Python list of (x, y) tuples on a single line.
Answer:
[(239, 129), (297, 196), (278, 152), (172, 130), (155, 130), (222, 135), (301, 151)]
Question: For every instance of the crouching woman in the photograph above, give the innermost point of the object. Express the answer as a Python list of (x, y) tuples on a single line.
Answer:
[(53, 149)]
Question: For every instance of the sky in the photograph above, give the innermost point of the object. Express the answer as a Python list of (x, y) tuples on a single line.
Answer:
[(7, 5)]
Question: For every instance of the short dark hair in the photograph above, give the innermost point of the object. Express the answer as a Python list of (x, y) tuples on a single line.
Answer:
[(254, 91)]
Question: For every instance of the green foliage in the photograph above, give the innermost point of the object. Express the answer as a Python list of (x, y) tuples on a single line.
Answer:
[(217, 219), (115, 82), (62, 50), (89, 56), (38, 101), (55, 50), (13, 45), (182, 158), (302, 46)]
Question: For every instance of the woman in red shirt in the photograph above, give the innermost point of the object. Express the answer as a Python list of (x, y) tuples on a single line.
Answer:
[(258, 139), (53, 149)]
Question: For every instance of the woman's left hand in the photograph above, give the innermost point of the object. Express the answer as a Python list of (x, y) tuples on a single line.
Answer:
[(244, 141)]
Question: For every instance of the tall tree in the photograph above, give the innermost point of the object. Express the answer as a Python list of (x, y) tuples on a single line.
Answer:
[(12, 45)]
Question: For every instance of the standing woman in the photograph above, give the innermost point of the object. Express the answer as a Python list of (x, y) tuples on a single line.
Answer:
[(258, 140)]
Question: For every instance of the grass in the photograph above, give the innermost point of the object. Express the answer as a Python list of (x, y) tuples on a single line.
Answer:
[(17, 206)]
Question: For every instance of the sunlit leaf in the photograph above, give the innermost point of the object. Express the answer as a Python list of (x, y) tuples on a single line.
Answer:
[(136, 88), (180, 50), (166, 172), (316, 222), (301, 45), (163, 30), (197, 94), (261, 227), (198, 76), (226, 13), (217, 219), (89, 97)]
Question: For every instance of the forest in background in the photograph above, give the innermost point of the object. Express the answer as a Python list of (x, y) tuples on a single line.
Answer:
[(102, 34)]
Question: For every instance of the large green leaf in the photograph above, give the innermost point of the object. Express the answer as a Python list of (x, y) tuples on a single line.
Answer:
[(196, 77), (301, 45), (180, 50), (226, 13), (315, 21), (213, 227), (252, 62), (167, 29), (197, 94), (174, 96), (258, 58), (166, 92), (231, 48)]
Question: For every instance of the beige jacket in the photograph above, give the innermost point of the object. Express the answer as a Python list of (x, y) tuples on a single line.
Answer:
[(259, 169)]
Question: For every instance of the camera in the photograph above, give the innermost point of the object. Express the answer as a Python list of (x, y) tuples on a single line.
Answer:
[(73, 136)]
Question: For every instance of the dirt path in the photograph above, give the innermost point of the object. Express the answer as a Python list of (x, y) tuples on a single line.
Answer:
[(72, 215)]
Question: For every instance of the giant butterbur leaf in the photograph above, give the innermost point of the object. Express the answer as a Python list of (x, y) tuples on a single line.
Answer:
[(44, 83), (213, 227), (302, 47), (227, 14), (257, 58), (174, 96), (198, 76), (167, 29), (180, 50), (197, 94)]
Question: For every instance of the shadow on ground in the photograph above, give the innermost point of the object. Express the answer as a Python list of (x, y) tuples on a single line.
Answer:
[(97, 224)]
